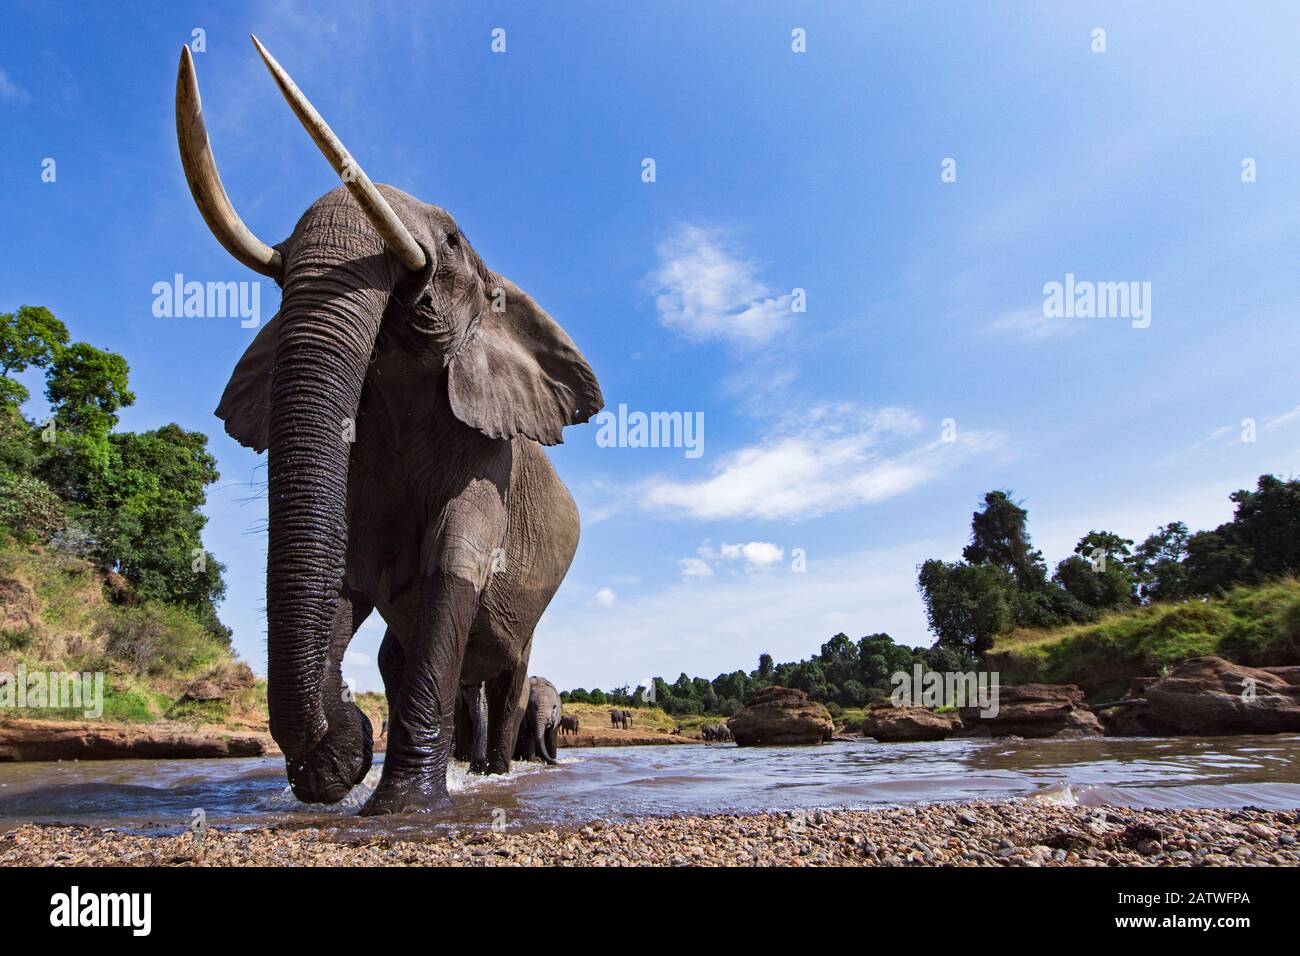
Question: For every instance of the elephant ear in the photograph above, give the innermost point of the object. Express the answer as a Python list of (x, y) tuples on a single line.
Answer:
[(246, 403), (517, 373)]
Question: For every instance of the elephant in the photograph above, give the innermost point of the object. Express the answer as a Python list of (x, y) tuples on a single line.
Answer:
[(569, 725), (541, 722), (620, 718), (403, 393), (469, 738), (709, 732)]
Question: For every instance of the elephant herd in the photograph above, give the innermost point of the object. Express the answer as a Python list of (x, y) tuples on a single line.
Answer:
[(710, 732)]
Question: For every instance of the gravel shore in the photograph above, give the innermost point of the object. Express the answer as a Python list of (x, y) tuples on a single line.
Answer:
[(972, 834)]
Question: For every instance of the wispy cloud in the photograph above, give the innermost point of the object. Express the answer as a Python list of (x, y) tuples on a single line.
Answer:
[(706, 288), (9, 90), (827, 460), (1032, 326), (725, 621)]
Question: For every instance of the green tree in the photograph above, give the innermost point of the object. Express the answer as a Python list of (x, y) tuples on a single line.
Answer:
[(1267, 525), (1000, 537), (967, 605), (1098, 574), (1216, 561), (86, 386), (29, 338), (1157, 564)]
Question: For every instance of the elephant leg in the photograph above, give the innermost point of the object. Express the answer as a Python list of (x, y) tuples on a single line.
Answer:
[(420, 732), (478, 714), (392, 663), (506, 700)]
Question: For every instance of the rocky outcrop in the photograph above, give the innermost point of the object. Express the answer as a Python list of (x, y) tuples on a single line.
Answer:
[(890, 724), (221, 683), (77, 740), (1036, 710), (1207, 697), (781, 715)]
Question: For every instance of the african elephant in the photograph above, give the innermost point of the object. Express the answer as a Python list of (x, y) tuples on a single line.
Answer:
[(620, 718), (469, 737), (569, 725), (404, 391), (541, 722)]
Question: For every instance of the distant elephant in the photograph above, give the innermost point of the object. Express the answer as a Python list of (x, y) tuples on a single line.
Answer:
[(541, 722), (710, 732), (616, 718), (404, 391), (469, 741), (569, 725)]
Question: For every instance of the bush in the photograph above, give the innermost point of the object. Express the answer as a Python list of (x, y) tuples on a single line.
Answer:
[(30, 509), (158, 640)]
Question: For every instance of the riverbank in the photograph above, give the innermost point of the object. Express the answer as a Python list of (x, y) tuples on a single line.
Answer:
[(1024, 833), (29, 740)]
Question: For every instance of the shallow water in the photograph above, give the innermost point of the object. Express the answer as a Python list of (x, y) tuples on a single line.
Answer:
[(617, 782)]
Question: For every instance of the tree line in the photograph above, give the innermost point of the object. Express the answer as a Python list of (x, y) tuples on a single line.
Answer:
[(1002, 583), (127, 501)]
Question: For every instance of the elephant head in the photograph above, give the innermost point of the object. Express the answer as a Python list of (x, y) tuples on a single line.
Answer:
[(366, 265)]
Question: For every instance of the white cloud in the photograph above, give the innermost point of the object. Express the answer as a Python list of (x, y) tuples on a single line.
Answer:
[(1284, 419), (759, 554), (832, 458), (706, 289), (753, 556), (605, 597), (695, 568), (1033, 326), (9, 90)]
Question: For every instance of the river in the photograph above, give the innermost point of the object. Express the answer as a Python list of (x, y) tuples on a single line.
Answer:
[(159, 796)]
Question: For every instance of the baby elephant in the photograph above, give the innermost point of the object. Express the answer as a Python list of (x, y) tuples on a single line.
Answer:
[(541, 722), (569, 726)]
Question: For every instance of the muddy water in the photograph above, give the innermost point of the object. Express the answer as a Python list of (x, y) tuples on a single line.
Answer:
[(617, 782)]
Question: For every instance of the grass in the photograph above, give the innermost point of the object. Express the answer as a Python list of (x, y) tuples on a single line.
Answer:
[(1258, 626), (148, 653)]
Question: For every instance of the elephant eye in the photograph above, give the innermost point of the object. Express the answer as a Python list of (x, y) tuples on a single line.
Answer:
[(452, 240)]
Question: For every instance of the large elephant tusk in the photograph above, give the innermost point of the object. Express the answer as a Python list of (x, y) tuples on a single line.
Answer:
[(205, 185), (375, 207)]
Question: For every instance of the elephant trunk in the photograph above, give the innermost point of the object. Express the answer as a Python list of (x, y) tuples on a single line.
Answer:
[(338, 281), (543, 730)]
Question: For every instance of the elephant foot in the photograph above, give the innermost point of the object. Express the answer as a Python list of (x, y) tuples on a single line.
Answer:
[(497, 767), (407, 796), (479, 766)]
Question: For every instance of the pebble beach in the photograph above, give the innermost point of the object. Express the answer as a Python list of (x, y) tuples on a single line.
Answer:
[(1021, 833)]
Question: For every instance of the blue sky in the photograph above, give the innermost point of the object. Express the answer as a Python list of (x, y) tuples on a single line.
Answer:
[(775, 171)]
